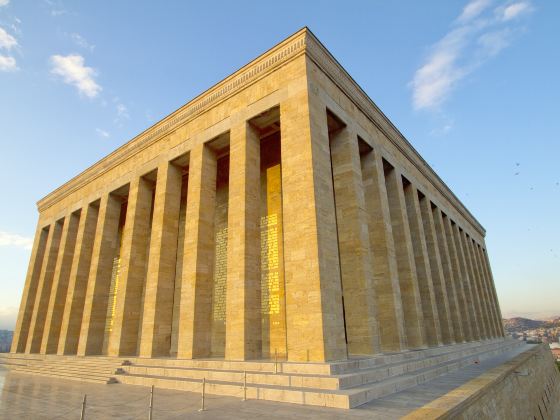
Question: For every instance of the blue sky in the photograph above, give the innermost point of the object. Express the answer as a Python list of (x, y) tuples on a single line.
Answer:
[(472, 84)]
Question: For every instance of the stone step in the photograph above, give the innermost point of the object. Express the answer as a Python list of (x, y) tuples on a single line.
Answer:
[(344, 398), (104, 379), (62, 360), (363, 394), (69, 366), (348, 380)]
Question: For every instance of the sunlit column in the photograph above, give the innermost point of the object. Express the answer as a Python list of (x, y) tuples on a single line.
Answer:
[(99, 280), (196, 288), (77, 284), (353, 241), (243, 321), (123, 338), (57, 300), (21, 332), (162, 260), (315, 326), (44, 289)]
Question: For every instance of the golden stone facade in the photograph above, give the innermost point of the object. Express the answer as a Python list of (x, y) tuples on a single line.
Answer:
[(278, 215)]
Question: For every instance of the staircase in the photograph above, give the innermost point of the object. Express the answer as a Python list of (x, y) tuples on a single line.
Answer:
[(84, 369), (345, 384)]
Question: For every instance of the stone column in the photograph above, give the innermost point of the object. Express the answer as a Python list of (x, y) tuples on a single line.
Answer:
[(160, 283), (469, 288), (99, 280), (438, 278), (243, 320), (21, 332), (353, 241), (196, 288), (492, 318), (483, 290), (479, 304), (388, 303), (77, 284), (60, 285), (315, 325), (410, 294), (123, 338), (44, 289), (459, 280), (454, 308), (486, 263), (423, 270)]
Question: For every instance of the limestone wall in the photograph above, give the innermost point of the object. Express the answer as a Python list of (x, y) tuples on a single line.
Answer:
[(526, 387)]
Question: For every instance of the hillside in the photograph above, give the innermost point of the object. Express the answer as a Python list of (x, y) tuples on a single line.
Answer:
[(522, 324)]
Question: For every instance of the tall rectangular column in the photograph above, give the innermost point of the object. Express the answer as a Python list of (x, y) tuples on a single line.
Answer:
[(60, 285), (243, 321), (99, 280), (488, 286), (160, 283), (453, 300), (44, 289), (492, 321), (123, 338), (438, 279), (196, 285), (21, 332), (486, 262), (77, 283), (353, 240), (479, 307), (458, 280), (315, 325), (408, 281), (162, 260), (423, 270), (388, 304), (470, 295)]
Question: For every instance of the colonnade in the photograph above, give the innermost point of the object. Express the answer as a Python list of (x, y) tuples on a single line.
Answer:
[(307, 241)]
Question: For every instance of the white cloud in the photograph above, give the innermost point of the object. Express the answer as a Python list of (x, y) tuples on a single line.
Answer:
[(494, 42), (515, 10), (80, 41), (74, 72), (7, 63), (4, 2), (11, 239), (473, 9), (6, 40), (122, 111), (102, 133), (473, 38)]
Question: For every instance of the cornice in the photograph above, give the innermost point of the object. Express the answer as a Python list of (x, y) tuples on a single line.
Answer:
[(317, 52), (277, 56)]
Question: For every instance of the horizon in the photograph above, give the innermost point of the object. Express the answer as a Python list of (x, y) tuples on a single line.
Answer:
[(456, 76)]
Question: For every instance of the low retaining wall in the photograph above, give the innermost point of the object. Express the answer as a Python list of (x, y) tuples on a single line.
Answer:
[(526, 387)]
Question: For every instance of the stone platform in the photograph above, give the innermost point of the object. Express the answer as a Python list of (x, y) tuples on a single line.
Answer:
[(345, 384)]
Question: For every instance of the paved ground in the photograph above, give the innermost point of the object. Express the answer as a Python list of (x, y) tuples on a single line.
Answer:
[(24, 396)]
